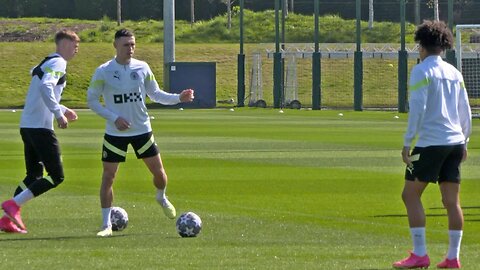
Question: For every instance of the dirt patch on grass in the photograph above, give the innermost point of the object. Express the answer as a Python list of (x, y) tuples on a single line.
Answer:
[(25, 31)]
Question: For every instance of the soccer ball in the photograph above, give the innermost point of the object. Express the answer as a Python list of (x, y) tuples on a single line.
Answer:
[(119, 218), (189, 224)]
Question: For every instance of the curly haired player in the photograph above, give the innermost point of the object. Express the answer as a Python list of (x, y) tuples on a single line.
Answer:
[(441, 117)]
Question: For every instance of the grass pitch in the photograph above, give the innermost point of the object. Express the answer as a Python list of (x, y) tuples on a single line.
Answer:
[(298, 190)]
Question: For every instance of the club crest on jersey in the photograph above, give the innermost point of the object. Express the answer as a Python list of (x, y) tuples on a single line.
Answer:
[(128, 97), (134, 76)]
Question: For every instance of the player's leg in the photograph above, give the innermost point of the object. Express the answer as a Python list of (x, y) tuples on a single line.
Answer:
[(114, 151), (450, 190), (160, 179), (451, 202), (46, 147), (33, 168), (411, 196), (106, 196), (146, 149), (33, 164), (424, 169)]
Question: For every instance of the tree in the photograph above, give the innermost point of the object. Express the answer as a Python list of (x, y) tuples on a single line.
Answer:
[(417, 12), (229, 12), (119, 12), (192, 12), (434, 4), (370, 14)]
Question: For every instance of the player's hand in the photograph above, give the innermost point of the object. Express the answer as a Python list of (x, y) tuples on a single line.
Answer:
[(122, 124), (406, 155), (465, 154), (71, 115), (187, 95), (62, 122)]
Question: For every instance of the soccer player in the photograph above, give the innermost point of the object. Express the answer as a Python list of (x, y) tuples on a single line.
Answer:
[(441, 117), (41, 146), (123, 83)]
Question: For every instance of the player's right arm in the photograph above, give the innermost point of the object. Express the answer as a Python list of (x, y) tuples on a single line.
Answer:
[(94, 93)]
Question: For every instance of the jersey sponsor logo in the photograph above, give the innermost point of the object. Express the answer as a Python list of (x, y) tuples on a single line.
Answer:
[(128, 97)]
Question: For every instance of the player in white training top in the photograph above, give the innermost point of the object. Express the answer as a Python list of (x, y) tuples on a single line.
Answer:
[(440, 116), (124, 83), (41, 148)]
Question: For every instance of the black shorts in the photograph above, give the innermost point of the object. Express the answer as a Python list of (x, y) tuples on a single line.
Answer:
[(41, 150), (436, 163), (115, 147)]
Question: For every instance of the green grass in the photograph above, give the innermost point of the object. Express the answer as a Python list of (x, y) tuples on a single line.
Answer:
[(380, 79), (298, 190)]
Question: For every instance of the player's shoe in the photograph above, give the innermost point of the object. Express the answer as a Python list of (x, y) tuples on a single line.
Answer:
[(450, 264), (12, 211), (413, 261), (168, 209), (8, 226), (105, 232)]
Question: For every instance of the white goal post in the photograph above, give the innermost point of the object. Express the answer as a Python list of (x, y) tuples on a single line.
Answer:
[(463, 45), (467, 54)]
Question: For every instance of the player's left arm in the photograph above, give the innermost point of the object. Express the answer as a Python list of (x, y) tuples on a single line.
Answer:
[(54, 69), (418, 87), (465, 112), (155, 93)]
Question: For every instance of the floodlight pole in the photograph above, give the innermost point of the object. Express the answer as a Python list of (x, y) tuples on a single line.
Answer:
[(168, 38), (241, 64), (277, 61), (402, 64), (316, 63), (358, 63)]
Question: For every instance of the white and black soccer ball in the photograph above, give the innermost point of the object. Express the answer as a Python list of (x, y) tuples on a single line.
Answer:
[(119, 218), (189, 224)]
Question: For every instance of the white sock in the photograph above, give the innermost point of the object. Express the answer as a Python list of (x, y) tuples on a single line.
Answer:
[(419, 243), (106, 217), (455, 239), (161, 195), (23, 197)]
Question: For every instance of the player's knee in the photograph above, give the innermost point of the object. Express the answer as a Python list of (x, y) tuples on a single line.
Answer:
[(108, 176), (450, 203), (55, 179)]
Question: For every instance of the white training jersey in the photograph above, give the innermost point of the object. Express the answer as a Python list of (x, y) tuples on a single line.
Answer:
[(123, 89), (439, 109), (44, 94)]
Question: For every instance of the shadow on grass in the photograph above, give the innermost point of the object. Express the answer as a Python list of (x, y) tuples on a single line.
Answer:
[(463, 207), (72, 237), (428, 215), (389, 268), (56, 238), (436, 215)]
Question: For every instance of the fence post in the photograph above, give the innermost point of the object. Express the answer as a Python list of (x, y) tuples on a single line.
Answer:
[(402, 64), (277, 61), (358, 64), (316, 64), (241, 64)]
